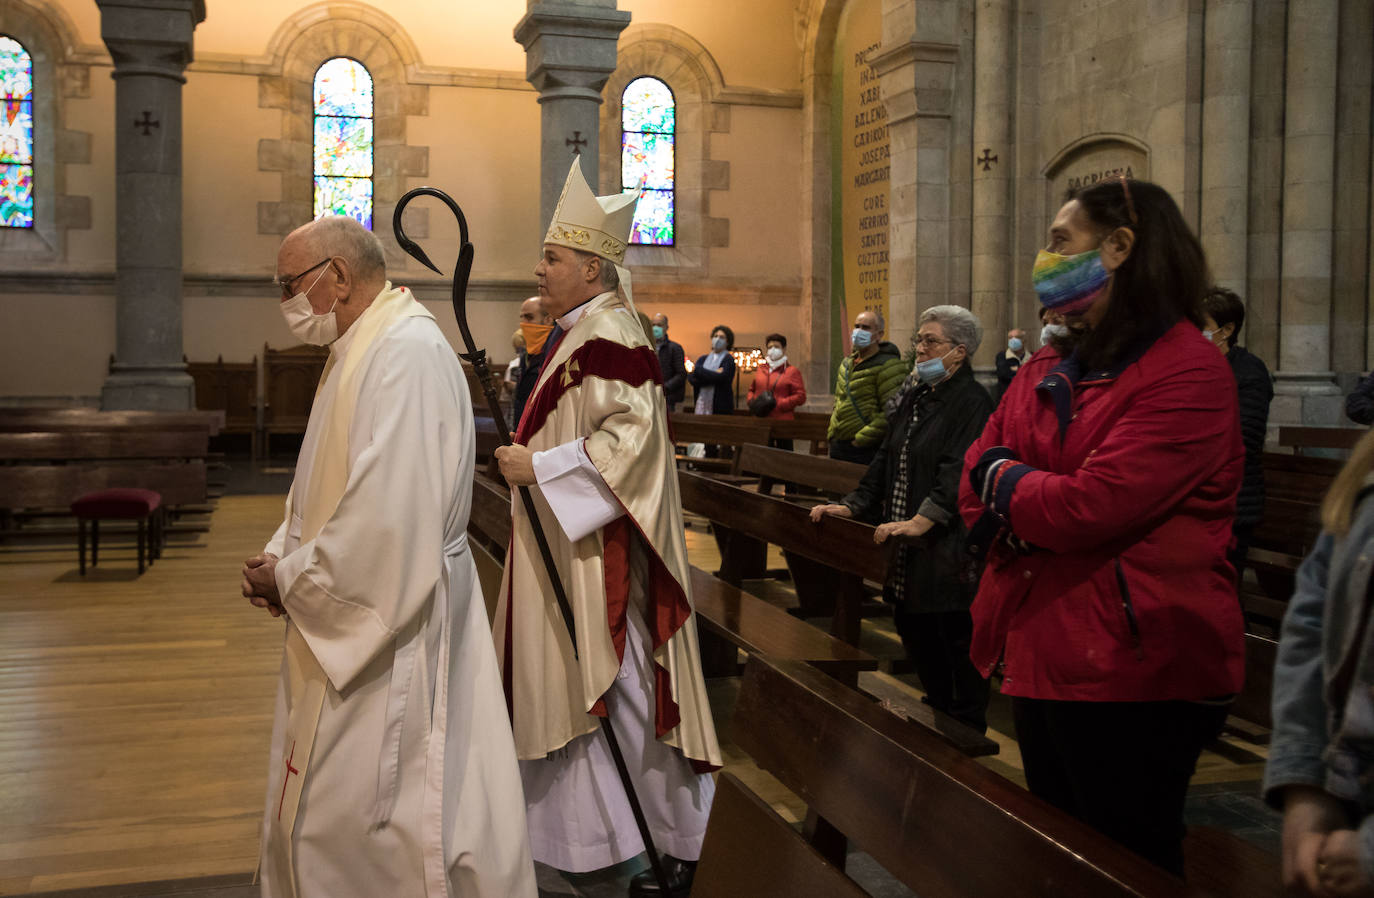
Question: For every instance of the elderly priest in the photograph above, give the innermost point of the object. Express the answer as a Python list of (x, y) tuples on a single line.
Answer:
[(594, 438), (392, 769)]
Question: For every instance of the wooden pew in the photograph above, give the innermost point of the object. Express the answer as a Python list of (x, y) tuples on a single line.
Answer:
[(230, 388), (728, 619), (828, 476), (1294, 487), (942, 824), (731, 619), (750, 850), (1301, 438), (59, 420), (809, 426), (719, 430), (48, 458), (289, 379), (842, 550)]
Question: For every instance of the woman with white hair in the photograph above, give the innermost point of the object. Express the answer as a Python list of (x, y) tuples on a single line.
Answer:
[(911, 489)]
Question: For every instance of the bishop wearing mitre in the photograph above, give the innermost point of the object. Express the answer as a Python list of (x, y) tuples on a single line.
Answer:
[(593, 446)]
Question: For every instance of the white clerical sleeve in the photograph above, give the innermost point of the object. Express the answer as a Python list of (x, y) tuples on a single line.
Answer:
[(574, 490), (277, 544), (377, 561)]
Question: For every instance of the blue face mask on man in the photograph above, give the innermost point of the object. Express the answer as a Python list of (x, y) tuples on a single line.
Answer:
[(659, 332), (861, 338), (1015, 344)]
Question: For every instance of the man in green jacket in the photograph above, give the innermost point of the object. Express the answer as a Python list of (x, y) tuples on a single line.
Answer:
[(867, 377)]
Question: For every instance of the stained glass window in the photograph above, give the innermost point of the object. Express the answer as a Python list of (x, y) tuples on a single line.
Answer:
[(647, 130), (16, 135), (343, 140)]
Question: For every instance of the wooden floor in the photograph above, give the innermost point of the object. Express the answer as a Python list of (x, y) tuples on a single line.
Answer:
[(135, 711)]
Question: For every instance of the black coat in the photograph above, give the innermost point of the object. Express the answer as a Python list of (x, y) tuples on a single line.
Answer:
[(938, 575), (1359, 405), (1255, 389), (1006, 370), (527, 375), (671, 362), (723, 400)]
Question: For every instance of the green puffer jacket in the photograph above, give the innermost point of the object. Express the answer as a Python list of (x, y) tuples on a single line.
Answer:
[(860, 393)]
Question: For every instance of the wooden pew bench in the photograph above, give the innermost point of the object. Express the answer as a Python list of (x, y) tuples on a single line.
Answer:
[(938, 821), (828, 477), (750, 850), (718, 430), (811, 427), (50, 459), (46, 463), (728, 619), (1300, 439), (829, 560), (1294, 486)]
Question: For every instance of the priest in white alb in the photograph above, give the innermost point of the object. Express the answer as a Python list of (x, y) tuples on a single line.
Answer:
[(593, 445), (392, 768)]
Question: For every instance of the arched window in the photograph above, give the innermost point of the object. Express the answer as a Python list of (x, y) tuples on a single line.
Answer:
[(343, 140), (16, 135), (647, 126)]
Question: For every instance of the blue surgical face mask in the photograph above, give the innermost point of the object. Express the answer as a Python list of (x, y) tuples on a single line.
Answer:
[(659, 332), (1015, 344), (861, 338), (718, 344), (932, 371)]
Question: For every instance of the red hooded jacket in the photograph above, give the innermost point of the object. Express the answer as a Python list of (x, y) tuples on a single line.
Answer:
[(1125, 483)]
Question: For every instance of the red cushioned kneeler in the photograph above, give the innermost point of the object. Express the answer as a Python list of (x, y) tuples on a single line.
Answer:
[(122, 504)]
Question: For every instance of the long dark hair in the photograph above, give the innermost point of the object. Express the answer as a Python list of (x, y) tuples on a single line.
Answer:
[(1162, 281)]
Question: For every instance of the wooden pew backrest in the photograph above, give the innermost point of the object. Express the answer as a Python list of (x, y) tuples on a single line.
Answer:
[(827, 475), (839, 543), (750, 851), (941, 823)]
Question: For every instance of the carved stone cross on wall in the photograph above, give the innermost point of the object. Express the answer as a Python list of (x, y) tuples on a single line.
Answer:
[(148, 123), (987, 159), (577, 142)]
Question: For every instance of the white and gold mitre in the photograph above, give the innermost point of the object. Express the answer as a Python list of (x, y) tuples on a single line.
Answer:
[(590, 223)]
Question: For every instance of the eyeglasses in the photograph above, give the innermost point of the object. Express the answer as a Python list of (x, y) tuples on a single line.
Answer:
[(930, 341), (286, 282)]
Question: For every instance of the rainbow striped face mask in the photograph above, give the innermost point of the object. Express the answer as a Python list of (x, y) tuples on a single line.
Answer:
[(1069, 284)]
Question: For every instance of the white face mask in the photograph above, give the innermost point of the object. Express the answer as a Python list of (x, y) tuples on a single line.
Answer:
[(1210, 335), (317, 330), (1050, 331), (774, 354)]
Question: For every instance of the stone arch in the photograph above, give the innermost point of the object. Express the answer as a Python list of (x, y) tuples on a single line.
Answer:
[(1090, 157), (61, 70), (681, 62), (297, 49)]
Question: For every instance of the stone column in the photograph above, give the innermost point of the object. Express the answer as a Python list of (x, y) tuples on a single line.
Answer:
[(570, 51), (1306, 391), (992, 168), (150, 42), (915, 65), (1225, 141)]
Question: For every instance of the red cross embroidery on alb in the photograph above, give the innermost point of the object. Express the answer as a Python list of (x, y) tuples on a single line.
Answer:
[(287, 778)]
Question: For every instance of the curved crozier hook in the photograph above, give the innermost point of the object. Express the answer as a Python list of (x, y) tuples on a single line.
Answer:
[(410, 246), (462, 271)]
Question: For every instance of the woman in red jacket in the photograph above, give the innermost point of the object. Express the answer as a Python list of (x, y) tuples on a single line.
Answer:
[(1103, 490), (782, 380)]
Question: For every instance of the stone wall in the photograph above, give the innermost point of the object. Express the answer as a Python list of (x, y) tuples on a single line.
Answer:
[(453, 110)]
